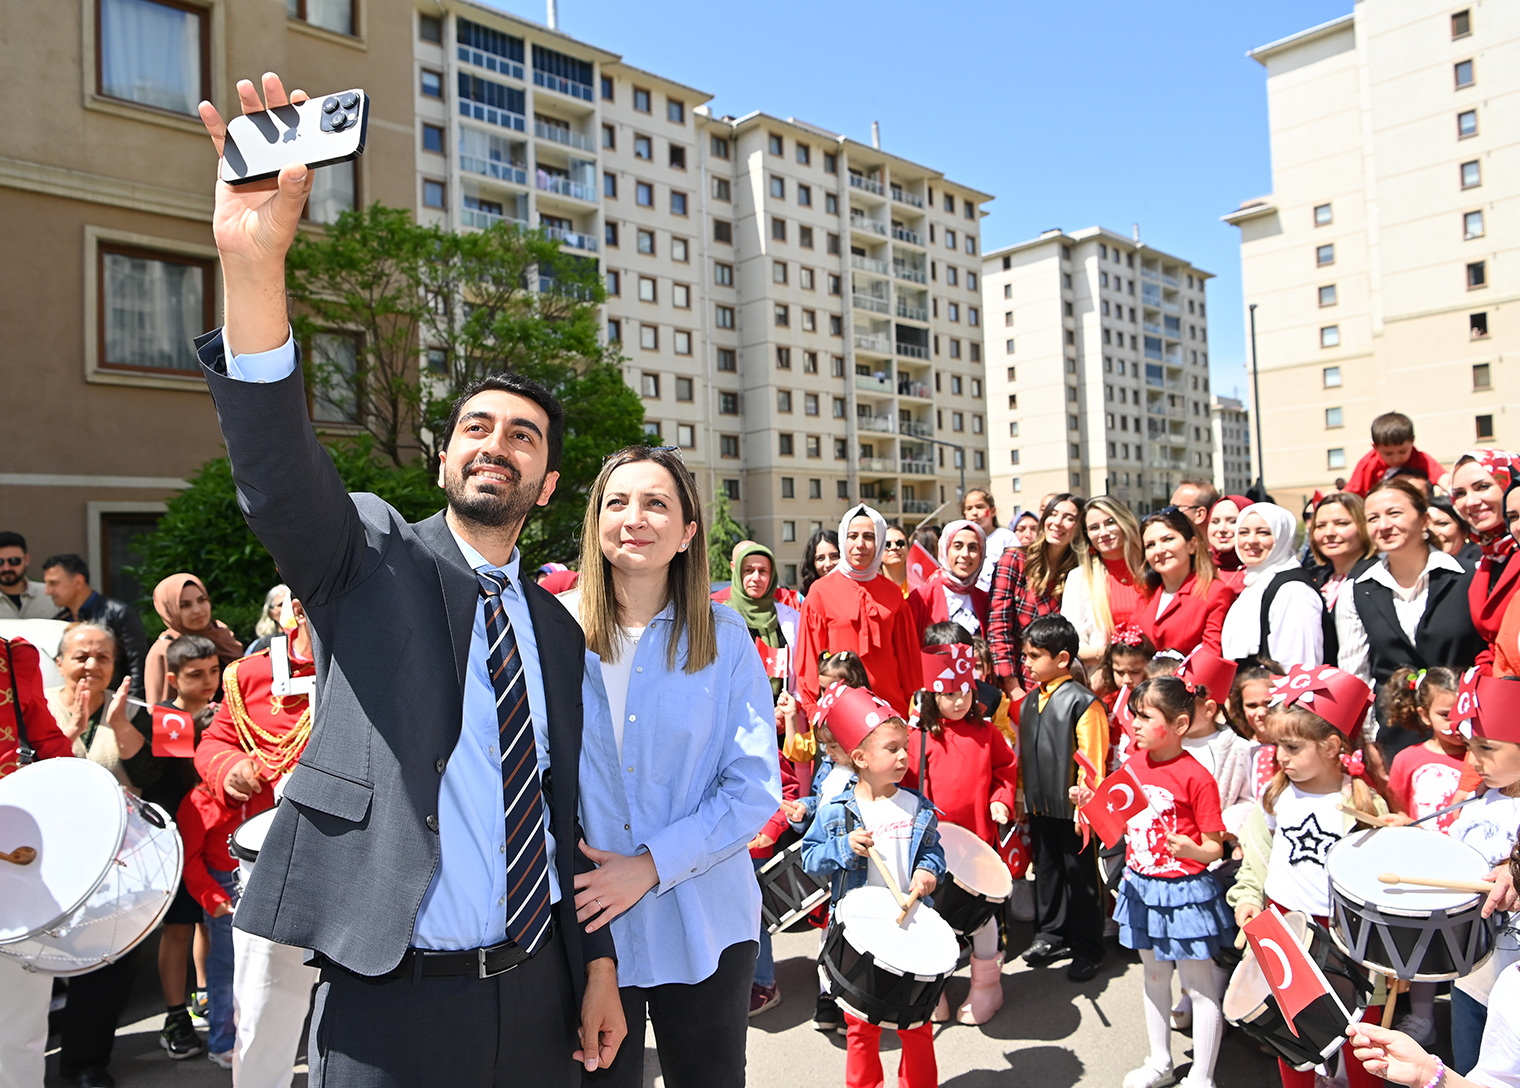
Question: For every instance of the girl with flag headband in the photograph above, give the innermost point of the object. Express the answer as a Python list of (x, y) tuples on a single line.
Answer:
[(951, 592)]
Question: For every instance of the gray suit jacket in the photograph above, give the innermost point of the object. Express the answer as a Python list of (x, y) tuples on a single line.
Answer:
[(392, 607)]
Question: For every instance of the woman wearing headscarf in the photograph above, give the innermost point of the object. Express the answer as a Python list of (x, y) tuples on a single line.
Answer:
[(183, 604), (1108, 587), (1219, 531), (854, 607), (951, 592), (1479, 483), (1278, 614), (771, 623)]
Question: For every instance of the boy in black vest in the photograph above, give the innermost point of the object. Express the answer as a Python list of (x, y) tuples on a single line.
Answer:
[(1059, 719)]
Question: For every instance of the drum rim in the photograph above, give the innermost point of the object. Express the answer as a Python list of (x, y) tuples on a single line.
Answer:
[(248, 853), (1357, 838), (1002, 864), (121, 834)]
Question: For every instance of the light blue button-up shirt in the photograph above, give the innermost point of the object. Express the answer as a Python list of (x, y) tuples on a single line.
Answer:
[(465, 905)]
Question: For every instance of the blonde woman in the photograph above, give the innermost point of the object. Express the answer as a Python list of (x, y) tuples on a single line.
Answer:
[(1108, 586)]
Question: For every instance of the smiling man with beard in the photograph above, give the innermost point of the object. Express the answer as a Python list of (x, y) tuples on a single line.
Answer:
[(20, 598)]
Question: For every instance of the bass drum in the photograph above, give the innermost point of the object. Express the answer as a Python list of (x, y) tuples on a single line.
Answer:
[(108, 865), (882, 972)]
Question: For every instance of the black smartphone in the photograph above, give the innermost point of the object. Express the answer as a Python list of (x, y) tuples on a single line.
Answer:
[(318, 132)]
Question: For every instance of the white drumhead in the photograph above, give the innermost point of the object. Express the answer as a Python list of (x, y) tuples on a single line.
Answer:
[(248, 837), (1355, 862), (974, 863), (924, 946), (74, 814)]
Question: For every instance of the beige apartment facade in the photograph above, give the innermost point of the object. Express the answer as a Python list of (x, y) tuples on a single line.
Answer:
[(799, 311), (1231, 425), (1098, 369), (1382, 265), (105, 206)]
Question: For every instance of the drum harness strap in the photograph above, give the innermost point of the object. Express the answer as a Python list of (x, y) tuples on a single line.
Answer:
[(24, 752)]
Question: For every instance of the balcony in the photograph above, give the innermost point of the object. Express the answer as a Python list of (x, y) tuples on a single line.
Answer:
[(915, 428), (871, 303), (474, 217), (911, 199), (501, 171), (553, 183), (918, 506), (880, 424), (882, 386), (859, 181), (917, 468), (548, 285), (1149, 273), (903, 234), (879, 344), (492, 116), (1171, 307), (867, 226), (571, 238), (1170, 280), (878, 464), (563, 86), (491, 62), (560, 135), (912, 351), (870, 264), (909, 273), (912, 313), (913, 389), (1151, 327)]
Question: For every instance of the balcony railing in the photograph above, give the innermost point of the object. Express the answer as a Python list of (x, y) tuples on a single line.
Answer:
[(474, 217), (869, 264), (561, 136), (563, 86), (882, 424), (553, 183), (917, 468), (1171, 307), (1170, 280), (491, 115), (859, 181), (904, 197), (878, 464), (915, 428), (868, 302), (909, 273), (912, 313), (572, 238), (502, 171), (903, 234), (867, 226), (549, 285), (879, 344), (918, 506), (1151, 327), (874, 385), (913, 389), (490, 62), (1149, 273), (912, 351)]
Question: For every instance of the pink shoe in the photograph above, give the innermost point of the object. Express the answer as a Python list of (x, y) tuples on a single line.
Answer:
[(986, 996)]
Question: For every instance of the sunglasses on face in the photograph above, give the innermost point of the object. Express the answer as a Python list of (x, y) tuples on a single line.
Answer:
[(895, 545), (14, 560)]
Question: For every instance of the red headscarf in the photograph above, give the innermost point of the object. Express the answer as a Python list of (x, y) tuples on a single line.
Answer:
[(1225, 560), (1502, 465)]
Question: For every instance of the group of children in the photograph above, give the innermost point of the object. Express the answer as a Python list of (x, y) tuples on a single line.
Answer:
[(1245, 772)]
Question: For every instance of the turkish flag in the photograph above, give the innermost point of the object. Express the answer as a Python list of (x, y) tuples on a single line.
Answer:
[(1113, 803), (921, 565), (1295, 979), (776, 659), (173, 733), (951, 667)]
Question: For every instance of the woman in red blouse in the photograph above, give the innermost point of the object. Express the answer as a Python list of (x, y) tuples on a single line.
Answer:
[(950, 593), (1108, 588), (1479, 483), (1188, 603)]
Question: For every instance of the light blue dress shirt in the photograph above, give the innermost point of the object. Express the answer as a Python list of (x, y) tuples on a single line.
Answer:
[(465, 905)]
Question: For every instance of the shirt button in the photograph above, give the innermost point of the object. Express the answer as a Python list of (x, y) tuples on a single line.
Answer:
[(630, 770), (503, 848), (639, 668), (502, 901), (625, 827), (440, 765), (432, 823)]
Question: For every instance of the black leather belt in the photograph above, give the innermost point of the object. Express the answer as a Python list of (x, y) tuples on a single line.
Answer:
[(473, 962)]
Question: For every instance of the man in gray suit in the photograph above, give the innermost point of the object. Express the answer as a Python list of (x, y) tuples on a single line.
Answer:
[(427, 846)]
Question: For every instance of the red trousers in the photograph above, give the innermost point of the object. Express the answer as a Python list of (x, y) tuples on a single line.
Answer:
[(1356, 1073), (916, 1067)]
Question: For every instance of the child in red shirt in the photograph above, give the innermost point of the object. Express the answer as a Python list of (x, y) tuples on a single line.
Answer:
[(1392, 447)]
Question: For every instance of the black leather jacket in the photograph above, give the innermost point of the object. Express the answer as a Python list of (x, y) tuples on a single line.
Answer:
[(132, 644)]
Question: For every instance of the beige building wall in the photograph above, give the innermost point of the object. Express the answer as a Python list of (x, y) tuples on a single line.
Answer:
[(1378, 152), (95, 443), (1231, 425)]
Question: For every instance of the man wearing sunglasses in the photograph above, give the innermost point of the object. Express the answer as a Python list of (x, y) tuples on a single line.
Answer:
[(1195, 498), (20, 599)]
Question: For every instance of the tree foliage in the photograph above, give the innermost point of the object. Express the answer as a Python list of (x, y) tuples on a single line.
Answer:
[(721, 538)]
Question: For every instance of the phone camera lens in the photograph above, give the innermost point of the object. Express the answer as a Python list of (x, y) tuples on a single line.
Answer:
[(330, 104), (349, 100), (339, 121)]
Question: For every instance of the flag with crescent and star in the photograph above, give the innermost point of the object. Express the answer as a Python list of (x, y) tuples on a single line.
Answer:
[(951, 667), (1113, 803), (1295, 980), (1487, 707), (775, 659), (921, 566), (173, 733)]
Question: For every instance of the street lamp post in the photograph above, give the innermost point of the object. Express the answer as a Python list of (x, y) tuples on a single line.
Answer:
[(1260, 485), (953, 446)]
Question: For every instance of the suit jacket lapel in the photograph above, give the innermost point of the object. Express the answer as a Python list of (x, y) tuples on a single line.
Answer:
[(461, 590), (1381, 598), (1441, 583)]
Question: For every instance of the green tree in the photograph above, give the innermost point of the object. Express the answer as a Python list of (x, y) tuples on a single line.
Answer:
[(721, 538)]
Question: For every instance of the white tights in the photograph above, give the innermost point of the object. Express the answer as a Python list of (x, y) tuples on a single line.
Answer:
[(1199, 979), (984, 941)]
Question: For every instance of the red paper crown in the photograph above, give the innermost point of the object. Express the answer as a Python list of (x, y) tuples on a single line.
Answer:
[(1488, 707), (1207, 670), (950, 667), (851, 713), (1341, 698)]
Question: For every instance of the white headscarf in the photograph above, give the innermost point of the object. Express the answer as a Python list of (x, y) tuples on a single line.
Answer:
[(1241, 636), (945, 538), (843, 566)]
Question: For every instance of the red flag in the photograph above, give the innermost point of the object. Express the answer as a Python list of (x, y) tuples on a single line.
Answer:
[(1295, 979), (1113, 803), (173, 733), (776, 659), (921, 565)]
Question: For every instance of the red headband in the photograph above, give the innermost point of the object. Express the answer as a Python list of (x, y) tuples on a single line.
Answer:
[(851, 713), (951, 667), (1341, 698), (1487, 707)]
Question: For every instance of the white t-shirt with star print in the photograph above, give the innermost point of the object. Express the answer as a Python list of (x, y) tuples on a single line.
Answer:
[(1304, 827)]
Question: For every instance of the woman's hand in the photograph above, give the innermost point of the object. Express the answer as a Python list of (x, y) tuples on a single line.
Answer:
[(129, 741), (923, 883), (1503, 897), (1245, 912), (1390, 1054), (999, 812), (613, 887), (861, 841), (761, 841), (76, 710)]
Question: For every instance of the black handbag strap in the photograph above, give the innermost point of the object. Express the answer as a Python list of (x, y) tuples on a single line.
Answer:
[(24, 751)]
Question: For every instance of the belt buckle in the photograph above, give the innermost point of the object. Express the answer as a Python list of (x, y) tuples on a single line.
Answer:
[(480, 956)]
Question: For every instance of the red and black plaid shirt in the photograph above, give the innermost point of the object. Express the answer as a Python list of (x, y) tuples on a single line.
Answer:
[(1015, 605)]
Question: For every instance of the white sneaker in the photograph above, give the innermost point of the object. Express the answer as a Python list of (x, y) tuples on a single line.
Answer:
[(1021, 901), (1419, 1028), (1191, 1081), (1148, 1075), (222, 1060)]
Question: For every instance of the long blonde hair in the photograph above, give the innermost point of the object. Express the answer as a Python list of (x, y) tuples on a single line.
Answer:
[(686, 582), (1093, 569)]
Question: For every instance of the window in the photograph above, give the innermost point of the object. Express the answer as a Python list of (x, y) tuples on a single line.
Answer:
[(643, 147), (432, 84), (432, 138), (614, 330), (675, 111), (1327, 295), (809, 320), (609, 137), (784, 362), (955, 384), (778, 229), (805, 278), (835, 284), (1463, 70), (810, 362), (957, 421), (430, 28), (778, 271), (433, 195), (1482, 378), (815, 488), (1472, 225), (831, 246), (679, 250), (725, 318), (783, 316), (973, 316), (1477, 325), (839, 407), (1325, 254), (1332, 377), (649, 337), (609, 185), (721, 189), (1477, 275), (728, 404), (949, 239), (1461, 24), (1334, 417), (1472, 175), (805, 195), (810, 404), (785, 444), (1335, 458), (682, 342), (814, 446), (955, 311), (153, 54), (723, 231), (727, 360), (723, 274), (1467, 124), (150, 305), (841, 450), (646, 242), (830, 163), (836, 366), (1323, 215), (728, 446), (683, 389), (1008, 346), (677, 157), (719, 147), (1484, 428), (789, 491), (607, 88), (641, 100), (778, 187), (680, 296), (649, 386), (836, 325), (686, 436), (614, 283), (677, 203), (774, 143), (804, 154)]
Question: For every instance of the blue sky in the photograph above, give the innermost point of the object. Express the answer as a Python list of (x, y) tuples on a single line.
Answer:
[(1072, 113)]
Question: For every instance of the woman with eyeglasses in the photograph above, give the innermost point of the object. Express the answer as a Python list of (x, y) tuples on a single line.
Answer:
[(1028, 584), (1278, 613), (856, 607), (678, 772), (1187, 603), (894, 558), (1108, 587)]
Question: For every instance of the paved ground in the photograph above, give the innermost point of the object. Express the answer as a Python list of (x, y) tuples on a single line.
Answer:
[(1050, 1033)]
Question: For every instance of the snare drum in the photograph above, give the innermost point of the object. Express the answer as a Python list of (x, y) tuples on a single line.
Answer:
[(1416, 933), (882, 972), (1250, 1006), (108, 865), (246, 841), (787, 894), (977, 881)]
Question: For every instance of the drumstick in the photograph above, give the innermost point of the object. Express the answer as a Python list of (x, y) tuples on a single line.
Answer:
[(1240, 939), (1482, 887), (22, 855), (907, 906), (1395, 986), (1365, 817), (1445, 811), (886, 874)]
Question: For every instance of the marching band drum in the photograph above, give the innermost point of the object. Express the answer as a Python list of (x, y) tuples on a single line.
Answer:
[(787, 893), (883, 972), (977, 881)]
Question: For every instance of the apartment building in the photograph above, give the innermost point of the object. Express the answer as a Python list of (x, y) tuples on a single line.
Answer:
[(1231, 427), (800, 311), (1383, 260), (1098, 375), (106, 214)]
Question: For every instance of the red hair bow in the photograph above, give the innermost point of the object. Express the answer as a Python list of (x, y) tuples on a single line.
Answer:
[(1127, 634)]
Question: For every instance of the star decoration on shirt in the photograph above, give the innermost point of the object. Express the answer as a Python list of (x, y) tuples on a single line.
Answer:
[(1308, 841)]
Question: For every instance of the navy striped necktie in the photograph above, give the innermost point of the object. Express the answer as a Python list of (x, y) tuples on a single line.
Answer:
[(527, 846)]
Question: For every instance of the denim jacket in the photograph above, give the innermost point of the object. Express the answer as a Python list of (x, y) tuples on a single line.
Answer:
[(826, 848)]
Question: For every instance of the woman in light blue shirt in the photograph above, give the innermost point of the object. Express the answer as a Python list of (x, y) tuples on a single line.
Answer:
[(678, 772)]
